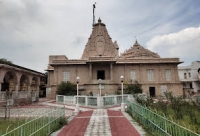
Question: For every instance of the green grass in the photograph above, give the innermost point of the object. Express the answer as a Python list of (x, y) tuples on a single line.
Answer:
[(184, 113), (4, 124), (13, 122), (190, 118)]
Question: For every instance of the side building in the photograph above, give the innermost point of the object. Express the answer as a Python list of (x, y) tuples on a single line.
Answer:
[(190, 78), (101, 60), (19, 84)]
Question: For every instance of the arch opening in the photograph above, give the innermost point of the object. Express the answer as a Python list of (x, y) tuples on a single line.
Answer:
[(9, 82), (23, 86)]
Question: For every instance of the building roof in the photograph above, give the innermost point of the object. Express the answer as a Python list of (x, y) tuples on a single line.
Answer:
[(4, 64), (100, 43), (137, 51)]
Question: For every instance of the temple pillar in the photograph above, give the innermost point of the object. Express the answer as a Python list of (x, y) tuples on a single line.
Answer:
[(29, 91), (38, 90), (90, 71), (0, 87), (16, 89), (111, 72)]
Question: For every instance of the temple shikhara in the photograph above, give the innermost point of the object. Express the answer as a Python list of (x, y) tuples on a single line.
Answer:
[(101, 60)]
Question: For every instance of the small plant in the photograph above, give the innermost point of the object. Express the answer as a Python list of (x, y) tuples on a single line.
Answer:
[(163, 106), (62, 121), (117, 92), (91, 94)]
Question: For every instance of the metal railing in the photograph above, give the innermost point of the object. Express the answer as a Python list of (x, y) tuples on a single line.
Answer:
[(17, 112), (12, 95), (93, 101), (42, 125), (157, 123)]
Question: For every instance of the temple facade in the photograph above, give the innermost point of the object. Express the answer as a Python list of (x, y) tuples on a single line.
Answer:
[(101, 60)]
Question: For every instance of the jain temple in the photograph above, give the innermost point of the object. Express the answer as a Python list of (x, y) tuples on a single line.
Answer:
[(101, 60)]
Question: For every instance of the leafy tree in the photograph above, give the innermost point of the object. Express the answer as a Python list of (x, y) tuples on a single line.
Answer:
[(5, 61), (134, 88), (66, 88)]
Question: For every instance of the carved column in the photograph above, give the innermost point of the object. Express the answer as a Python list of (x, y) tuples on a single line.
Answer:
[(111, 71), (37, 88), (16, 90), (29, 91), (0, 87), (90, 71), (37, 91)]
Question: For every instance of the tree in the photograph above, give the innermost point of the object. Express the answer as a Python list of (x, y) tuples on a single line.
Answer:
[(66, 88), (134, 88), (5, 61)]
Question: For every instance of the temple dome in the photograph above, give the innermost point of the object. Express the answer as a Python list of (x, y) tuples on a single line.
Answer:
[(137, 51), (100, 43)]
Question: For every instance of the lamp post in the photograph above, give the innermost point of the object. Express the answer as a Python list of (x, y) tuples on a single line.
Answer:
[(100, 87), (77, 105), (122, 104)]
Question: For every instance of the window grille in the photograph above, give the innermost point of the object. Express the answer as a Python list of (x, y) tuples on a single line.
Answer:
[(133, 75), (66, 76), (168, 75), (150, 75)]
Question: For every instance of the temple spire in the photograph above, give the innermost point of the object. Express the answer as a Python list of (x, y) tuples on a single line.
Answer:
[(100, 43)]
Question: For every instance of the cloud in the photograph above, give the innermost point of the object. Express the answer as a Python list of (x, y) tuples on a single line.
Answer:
[(31, 30), (183, 44)]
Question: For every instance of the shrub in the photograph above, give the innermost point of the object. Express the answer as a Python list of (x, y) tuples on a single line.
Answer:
[(66, 88), (134, 88), (118, 92)]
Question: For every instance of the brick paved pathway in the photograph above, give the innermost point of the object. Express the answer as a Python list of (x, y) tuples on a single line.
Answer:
[(78, 125), (100, 122), (120, 126)]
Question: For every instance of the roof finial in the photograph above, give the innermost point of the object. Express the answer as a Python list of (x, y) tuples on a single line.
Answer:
[(93, 12), (99, 20), (136, 42)]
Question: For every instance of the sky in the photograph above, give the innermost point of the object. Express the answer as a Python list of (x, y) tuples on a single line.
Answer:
[(31, 30)]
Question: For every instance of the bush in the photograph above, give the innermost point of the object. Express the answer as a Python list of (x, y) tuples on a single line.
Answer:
[(117, 92), (91, 94), (66, 88), (134, 88)]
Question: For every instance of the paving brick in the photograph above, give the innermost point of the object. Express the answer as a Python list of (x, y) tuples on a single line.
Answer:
[(100, 122)]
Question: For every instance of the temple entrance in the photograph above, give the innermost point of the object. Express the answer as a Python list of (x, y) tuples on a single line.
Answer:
[(152, 91), (101, 74), (8, 82)]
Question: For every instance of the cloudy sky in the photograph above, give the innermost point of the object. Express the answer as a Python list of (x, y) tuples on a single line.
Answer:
[(31, 30)]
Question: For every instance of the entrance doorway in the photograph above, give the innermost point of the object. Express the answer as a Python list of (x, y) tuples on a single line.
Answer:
[(152, 91), (101, 74)]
